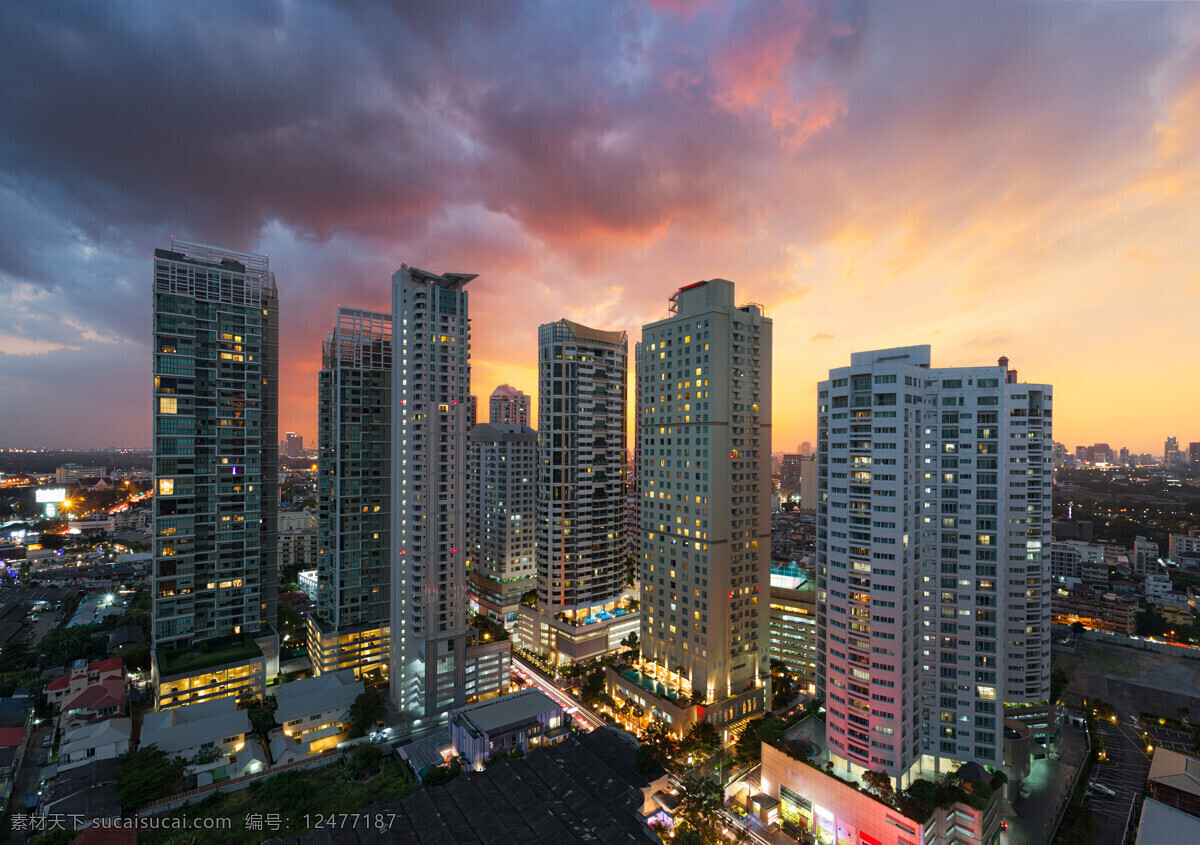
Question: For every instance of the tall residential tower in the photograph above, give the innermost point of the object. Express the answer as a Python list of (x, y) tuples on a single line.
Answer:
[(216, 473), (933, 586), (349, 629)]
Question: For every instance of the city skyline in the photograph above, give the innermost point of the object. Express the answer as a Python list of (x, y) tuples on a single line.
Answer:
[(1033, 201)]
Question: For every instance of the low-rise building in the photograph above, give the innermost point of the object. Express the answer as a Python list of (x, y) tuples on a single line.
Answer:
[(1174, 780), (316, 711), (965, 812), (523, 720), (1095, 611), (207, 734), (82, 676), (793, 627), (106, 740), (102, 700)]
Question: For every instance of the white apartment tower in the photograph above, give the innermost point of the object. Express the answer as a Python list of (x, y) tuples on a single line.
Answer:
[(508, 406), (704, 405), (581, 446), (431, 386), (933, 570)]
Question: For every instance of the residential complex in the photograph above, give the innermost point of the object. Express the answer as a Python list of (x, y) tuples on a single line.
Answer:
[(350, 627), (704, 408), (502, 482), (933, 593), (508, 406), (216, 317), (580, 496)]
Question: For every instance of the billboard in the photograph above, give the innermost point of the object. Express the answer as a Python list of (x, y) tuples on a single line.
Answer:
[(50, 495)]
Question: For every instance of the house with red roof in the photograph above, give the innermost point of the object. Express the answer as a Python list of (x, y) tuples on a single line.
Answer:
[(83, 675), (95, 703)]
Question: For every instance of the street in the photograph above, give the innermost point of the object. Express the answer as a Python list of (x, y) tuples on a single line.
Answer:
[(582, 717)]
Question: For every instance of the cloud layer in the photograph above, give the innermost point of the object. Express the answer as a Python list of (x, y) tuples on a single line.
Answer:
[(994, 179)]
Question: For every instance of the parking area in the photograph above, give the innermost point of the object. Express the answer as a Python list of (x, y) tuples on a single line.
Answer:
[(1172, 739), (1124, 776)]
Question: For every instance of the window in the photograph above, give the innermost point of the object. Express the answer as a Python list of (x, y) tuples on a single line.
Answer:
[(166, 486), (168, 405)]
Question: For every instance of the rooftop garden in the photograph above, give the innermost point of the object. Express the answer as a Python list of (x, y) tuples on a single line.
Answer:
[(489, 630), (208, 653)]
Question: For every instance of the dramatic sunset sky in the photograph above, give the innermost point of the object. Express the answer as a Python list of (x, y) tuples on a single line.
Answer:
[(993, 179)]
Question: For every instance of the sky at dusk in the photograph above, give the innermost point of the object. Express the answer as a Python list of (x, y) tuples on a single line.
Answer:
[(992, 179)]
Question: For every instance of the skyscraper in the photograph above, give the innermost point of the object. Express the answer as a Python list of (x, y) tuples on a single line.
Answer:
[(434, 663), (581, 505), (508, 406), (293, 444), (704, 402), (349, 629), (216, 474), (934, 588), (503, 514)]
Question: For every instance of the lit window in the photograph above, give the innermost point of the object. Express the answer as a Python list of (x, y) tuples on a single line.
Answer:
[(168, 405), (166, 486)]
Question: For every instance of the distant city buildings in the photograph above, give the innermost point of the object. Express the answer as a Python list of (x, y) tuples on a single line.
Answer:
[(67, 473), (292, 445), (508, 406), (215, 366)]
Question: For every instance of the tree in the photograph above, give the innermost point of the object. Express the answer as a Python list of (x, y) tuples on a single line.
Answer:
[(147, 774), (290, 621), (438, 775), (880, 785), (702, 738), (1078, 628), (364, 761), (367, 710), (261, 710), (700, 801)]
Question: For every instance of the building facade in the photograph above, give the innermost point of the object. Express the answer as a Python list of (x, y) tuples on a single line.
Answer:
[(704, 404), (350, 627), (794, 622), (437, 661), (933, 590), (216, 474), (502, 518), (580, 612), (509, 406)]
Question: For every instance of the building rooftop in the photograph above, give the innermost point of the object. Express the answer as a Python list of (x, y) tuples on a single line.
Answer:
[(1178, 771), (96, 734), (1162, 823), (315, 695), (181, 728), (506, 710), (584, 789)]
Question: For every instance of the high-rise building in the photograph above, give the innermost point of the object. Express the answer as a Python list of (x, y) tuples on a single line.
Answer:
[(794, 621), (1145, 556), (293, 445), (436, 662), (704, 400), (1193, 454), (581, 502), (1171, 454), (350, 626), (216, 473), (933, 568), (502, 520), (508, 406)]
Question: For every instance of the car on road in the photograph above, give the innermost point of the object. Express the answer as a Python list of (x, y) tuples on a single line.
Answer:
[(1102, 789), (1025, 791), (739, 810), (42, 760)]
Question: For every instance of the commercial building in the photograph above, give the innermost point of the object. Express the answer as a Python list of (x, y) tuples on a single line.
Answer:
[(524, 720), (350, 628), (67, 473), (580, 613), (216, 473), (436, 662), (704, 405), (502, 517), (509, 406), (933, 595), (966, 810), (798, 480), (293, 444), (794, 622)]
